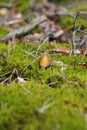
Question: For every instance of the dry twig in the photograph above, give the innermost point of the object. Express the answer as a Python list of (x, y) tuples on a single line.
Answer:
[(17, 33)]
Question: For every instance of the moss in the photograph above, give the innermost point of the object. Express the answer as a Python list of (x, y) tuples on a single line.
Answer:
[(23, 63), (82, 7), (68, 21), (62, 93), (3, 32), (20, 106)]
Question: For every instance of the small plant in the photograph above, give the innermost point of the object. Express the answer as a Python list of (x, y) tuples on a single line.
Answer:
[(77, 40)]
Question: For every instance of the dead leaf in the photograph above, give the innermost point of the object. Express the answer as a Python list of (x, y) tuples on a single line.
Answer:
[(84, 65), (62, 50)]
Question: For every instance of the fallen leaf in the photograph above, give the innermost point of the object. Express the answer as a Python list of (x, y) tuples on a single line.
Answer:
[(84, 65), (63, 50)]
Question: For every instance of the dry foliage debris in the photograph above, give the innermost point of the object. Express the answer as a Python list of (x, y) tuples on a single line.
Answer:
[(48, 23)]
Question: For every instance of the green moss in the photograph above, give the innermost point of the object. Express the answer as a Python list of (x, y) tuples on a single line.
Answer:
[(81, 7), (20, 105), (3, 32), (65, 92), (68, 21), (23, 63)]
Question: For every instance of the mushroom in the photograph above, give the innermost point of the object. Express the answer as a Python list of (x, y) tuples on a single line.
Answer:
[(44, 61)]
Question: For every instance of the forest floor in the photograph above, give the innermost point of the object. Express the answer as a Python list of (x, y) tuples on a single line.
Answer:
[(35, 97)]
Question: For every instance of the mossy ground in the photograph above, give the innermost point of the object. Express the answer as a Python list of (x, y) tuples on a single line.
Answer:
[(20, 104), (65, 100)]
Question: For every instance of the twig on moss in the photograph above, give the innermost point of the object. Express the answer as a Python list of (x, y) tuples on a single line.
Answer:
[(17, 33), (75, 30), (63, 14), (10, 77), (29, 53), (26, 66), (45, 40), (82, 58), (45, 106)]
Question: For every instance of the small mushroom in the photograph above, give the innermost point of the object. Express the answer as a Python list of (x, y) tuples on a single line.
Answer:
[(44, 61)]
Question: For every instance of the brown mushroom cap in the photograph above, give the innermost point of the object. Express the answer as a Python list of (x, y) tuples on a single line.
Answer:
[(44, 60)]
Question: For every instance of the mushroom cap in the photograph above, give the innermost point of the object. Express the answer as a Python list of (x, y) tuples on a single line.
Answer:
[(44, 60)]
